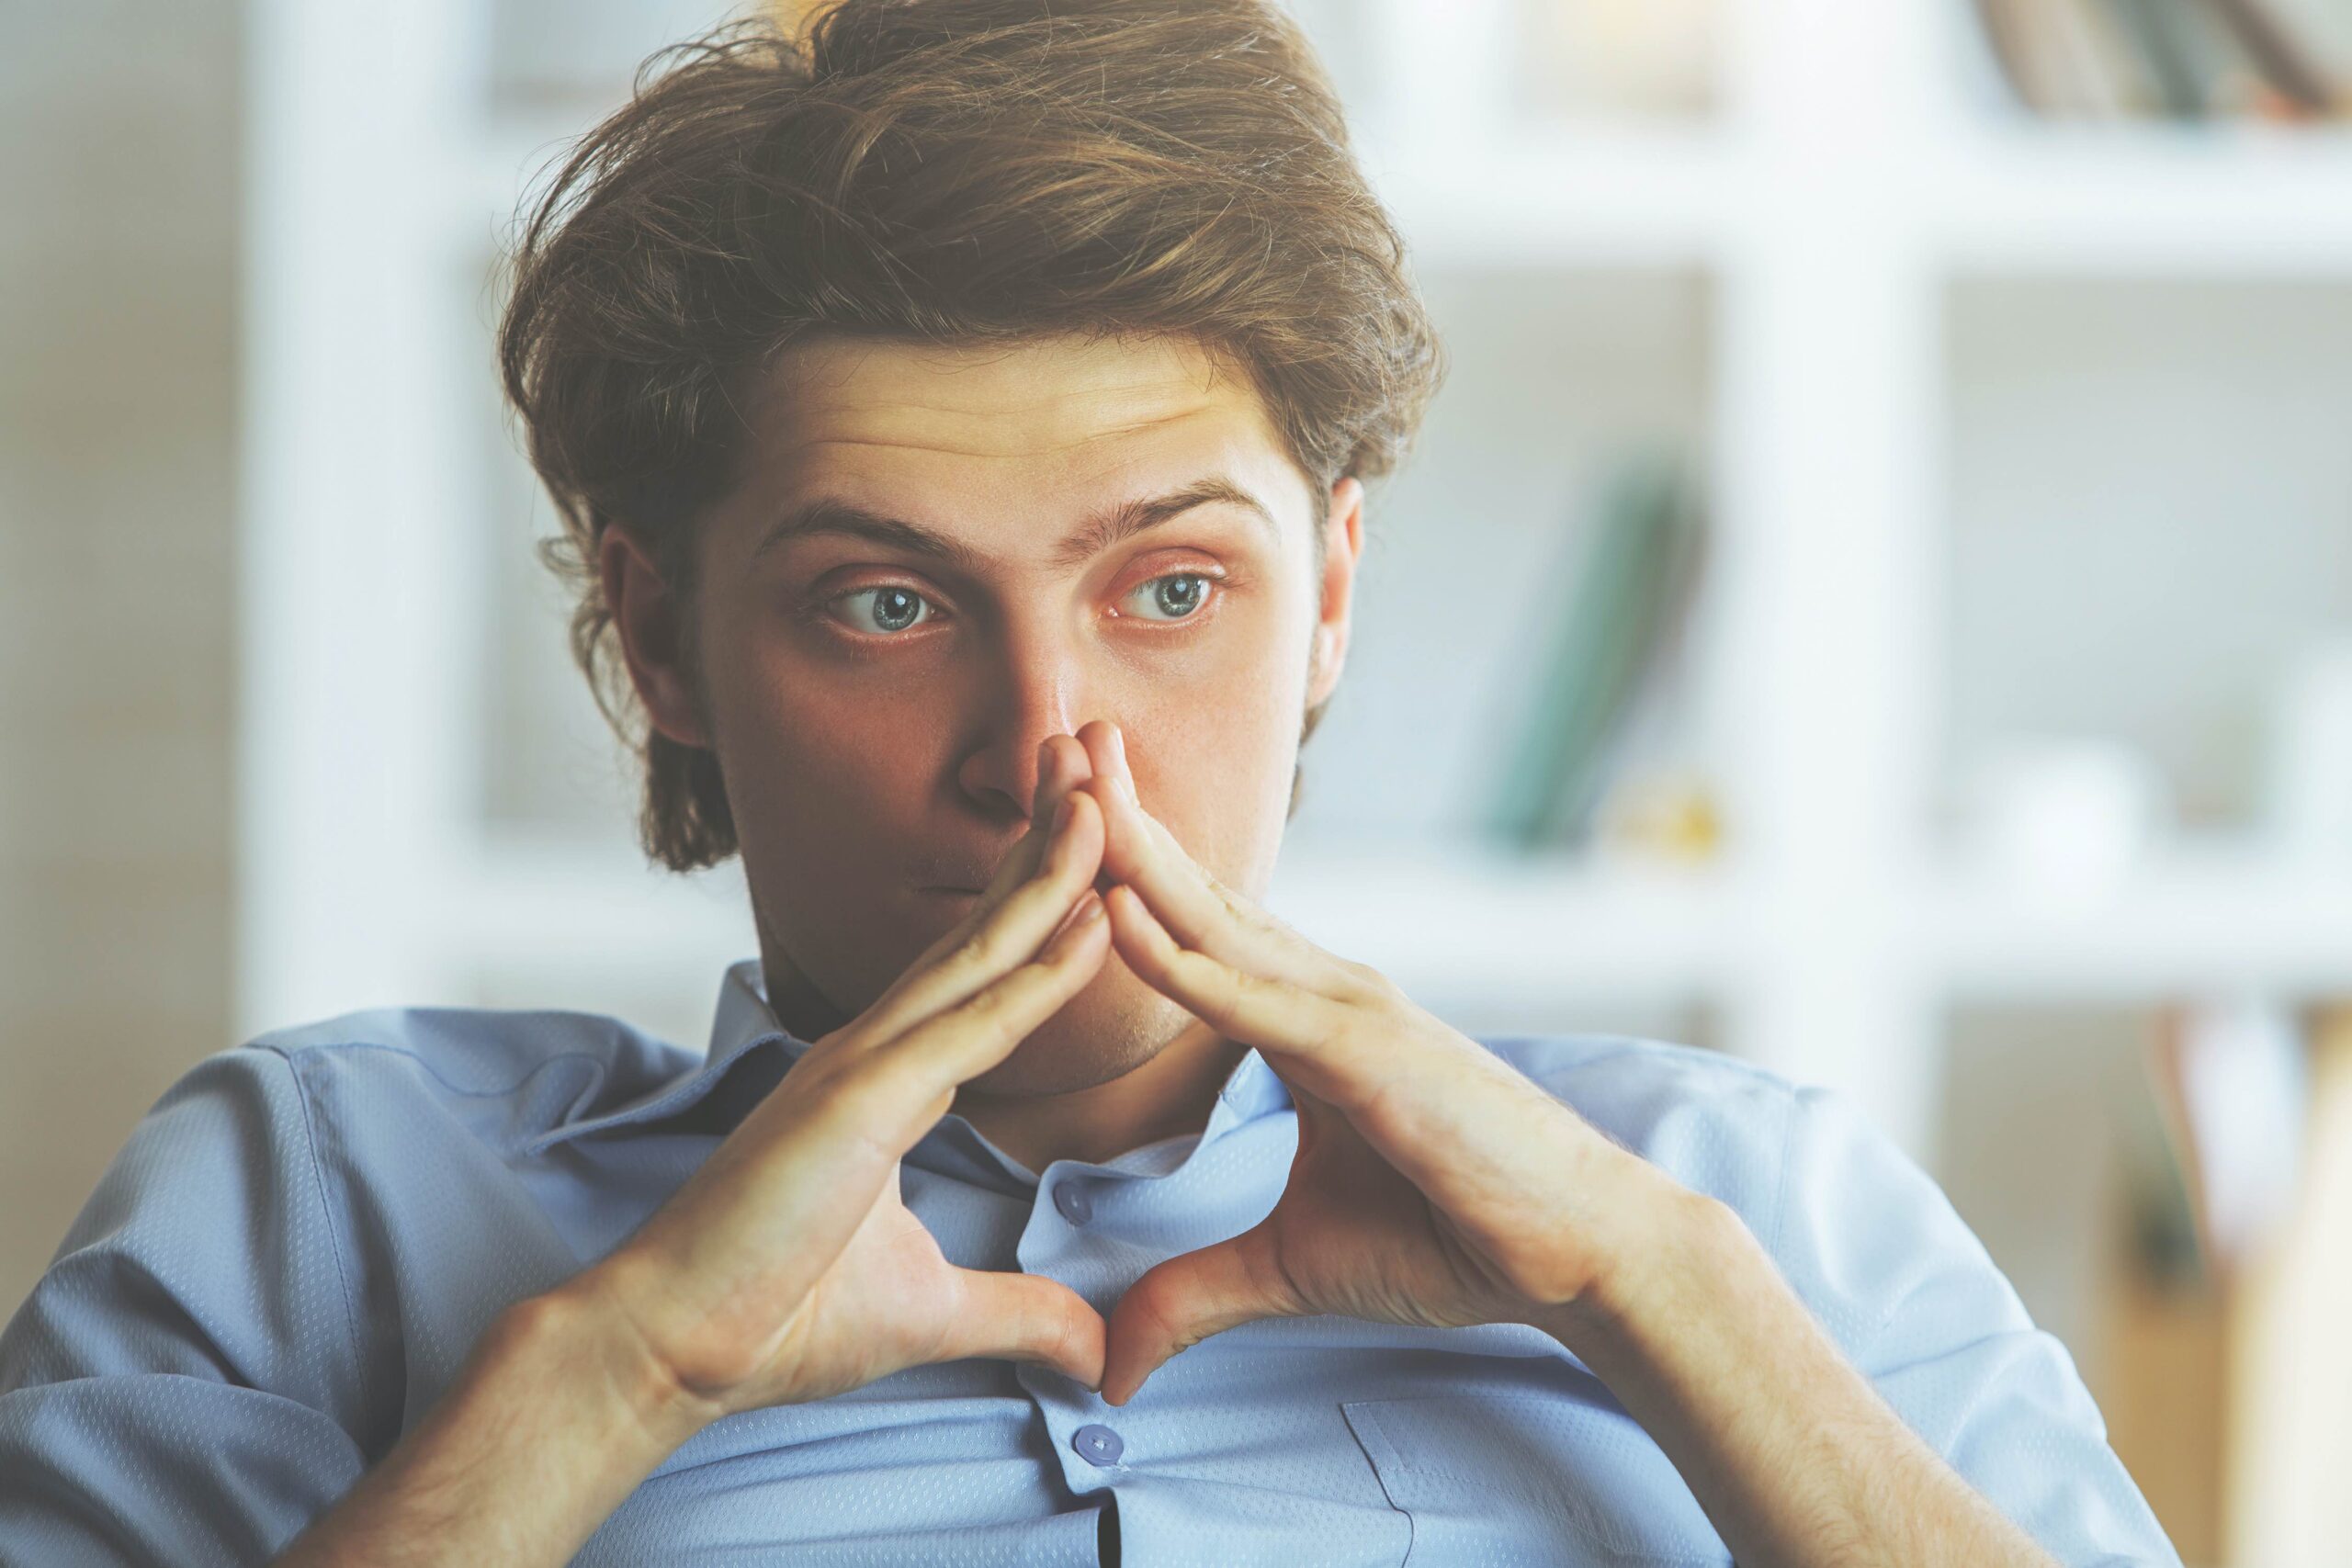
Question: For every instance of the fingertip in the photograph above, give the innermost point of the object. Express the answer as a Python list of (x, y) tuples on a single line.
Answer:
[(1134, 916), (1087, 909)]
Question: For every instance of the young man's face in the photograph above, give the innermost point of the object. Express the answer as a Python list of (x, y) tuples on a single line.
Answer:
[(877, 708)]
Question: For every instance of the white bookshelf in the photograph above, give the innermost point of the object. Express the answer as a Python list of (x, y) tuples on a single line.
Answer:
[(1829, 943)]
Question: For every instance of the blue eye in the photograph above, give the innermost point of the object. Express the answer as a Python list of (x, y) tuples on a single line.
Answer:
[(890, 609), (894, 607), (1177, 605)]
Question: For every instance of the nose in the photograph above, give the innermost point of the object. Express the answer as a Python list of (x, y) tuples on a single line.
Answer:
[(1034, 692)]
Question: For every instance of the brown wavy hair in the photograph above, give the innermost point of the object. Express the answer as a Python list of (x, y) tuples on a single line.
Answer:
[(951, 171)]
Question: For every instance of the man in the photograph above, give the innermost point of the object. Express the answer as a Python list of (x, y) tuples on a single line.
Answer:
[(961, 428)]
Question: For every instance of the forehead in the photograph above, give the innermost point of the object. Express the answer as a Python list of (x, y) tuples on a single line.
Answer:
[(1052, 416)]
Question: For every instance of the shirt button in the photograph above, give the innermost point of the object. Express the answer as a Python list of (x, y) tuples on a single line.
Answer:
[(1073, 1201), (1097, 1444)]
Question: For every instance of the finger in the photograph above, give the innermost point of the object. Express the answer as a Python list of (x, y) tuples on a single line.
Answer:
[(1245, 1005), (1138, 851), (981, 1031), (1010, 934), (1195, 909), (1026, 1317), (1056, 775), (1178, 1302), (863, 1109), (1062, 762)]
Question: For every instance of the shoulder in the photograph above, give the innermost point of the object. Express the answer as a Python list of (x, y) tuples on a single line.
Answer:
[(506, 1073), (1869, 1243), (1714, 1122), (475, 1050)]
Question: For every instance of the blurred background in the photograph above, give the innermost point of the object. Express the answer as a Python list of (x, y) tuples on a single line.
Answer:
[(1875, 597)]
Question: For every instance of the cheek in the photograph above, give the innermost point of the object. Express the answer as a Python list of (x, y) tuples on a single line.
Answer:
[(823, 760), (1212, 761)]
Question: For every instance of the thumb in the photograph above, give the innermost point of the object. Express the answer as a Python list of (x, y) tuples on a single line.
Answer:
[(1182, 1301), (1023, 1317)]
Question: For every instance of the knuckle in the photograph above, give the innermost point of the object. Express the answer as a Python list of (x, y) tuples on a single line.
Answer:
[(973, 951), (984, 1007), (1225, 1002)]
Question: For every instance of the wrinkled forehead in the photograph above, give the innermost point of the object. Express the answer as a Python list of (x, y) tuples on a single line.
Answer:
[(1053, 416), (1040, 395)]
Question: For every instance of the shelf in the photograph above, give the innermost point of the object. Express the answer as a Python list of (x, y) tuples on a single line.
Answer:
[(1451, 923), (1448, 922), (2211, 921), (2132, 200), (1432, 920), (2215, 920), (549, 907), (2143, 200), (2128, 201), (1605, 197)]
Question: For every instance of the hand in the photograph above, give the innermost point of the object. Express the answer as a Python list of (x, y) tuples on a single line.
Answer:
[(1434, 1184), (787, 1268)]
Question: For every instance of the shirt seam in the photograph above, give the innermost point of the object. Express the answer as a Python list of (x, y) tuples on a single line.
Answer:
[(327, 1209), (433, 1072), (1610, 1048)]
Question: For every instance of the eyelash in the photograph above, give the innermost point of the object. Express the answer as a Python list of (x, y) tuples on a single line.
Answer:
[(1220, 583)]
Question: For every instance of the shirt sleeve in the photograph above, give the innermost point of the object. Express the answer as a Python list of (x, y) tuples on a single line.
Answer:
[(177, 1389), (1895, 1275)]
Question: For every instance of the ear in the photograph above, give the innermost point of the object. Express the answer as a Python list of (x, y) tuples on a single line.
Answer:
[(650, 622), (1343, 546)]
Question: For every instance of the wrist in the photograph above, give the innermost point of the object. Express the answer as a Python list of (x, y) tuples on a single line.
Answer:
[(582, 1323), (545, 1431), (1663, 1254)]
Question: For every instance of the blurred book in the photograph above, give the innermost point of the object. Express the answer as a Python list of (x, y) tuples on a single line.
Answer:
[(2171, 50), (2230, 1078), (1603, 619), (2290, 1441), (2187, 59), (2161, 1375), (2207, 1300)]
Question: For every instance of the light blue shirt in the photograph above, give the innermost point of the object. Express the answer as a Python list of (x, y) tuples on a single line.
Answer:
[(289, 1261)]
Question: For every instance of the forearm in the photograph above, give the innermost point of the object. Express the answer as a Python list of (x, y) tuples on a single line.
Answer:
[(551, 1425), (1793, 1455)]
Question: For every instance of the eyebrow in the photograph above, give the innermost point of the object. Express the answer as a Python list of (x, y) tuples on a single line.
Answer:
[(827, 515)]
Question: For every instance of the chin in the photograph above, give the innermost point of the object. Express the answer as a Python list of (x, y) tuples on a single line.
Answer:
[(1107, 1030)]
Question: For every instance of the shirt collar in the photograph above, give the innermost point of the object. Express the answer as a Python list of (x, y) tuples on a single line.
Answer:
[(750, 1052)]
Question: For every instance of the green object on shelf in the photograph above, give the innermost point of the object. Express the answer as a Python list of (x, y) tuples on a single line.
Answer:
[(1627, 575), (2157, 1205), (2161, 31)]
